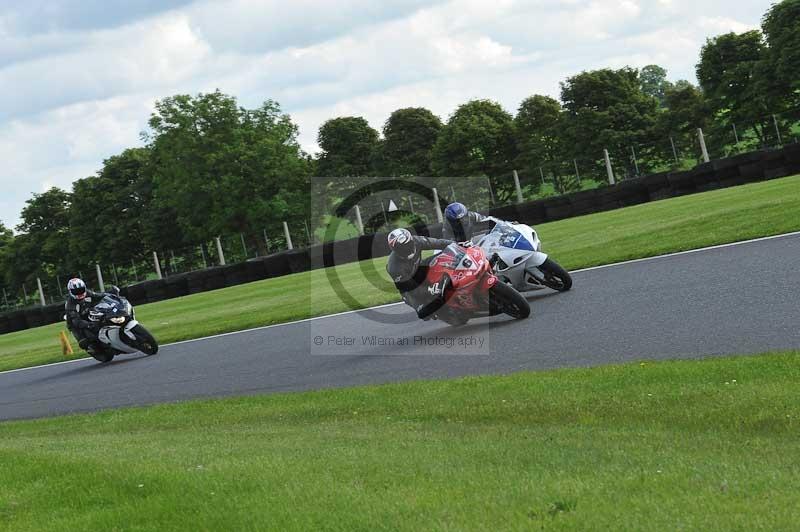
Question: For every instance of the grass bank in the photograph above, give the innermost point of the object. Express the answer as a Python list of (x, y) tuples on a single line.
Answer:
[(689, 222), (679, 445)]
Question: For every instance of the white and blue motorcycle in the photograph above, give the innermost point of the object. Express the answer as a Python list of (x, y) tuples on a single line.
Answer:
[(521, 262), (118, 330)]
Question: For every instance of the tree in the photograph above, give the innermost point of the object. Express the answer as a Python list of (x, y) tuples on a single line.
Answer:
[(348, 147), (6, 238), (781, 26), (537, 131), (653, 79), (120, 195), (477, 140), (687, 110), (221, 168), (728, 74), (43, 246), (606, 109), (410, 135)]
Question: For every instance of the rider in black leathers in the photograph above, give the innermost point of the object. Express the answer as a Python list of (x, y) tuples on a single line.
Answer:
[(409, 271), (80, 301)]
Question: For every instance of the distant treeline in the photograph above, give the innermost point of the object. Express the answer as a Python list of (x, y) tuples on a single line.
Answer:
[(210, 167)]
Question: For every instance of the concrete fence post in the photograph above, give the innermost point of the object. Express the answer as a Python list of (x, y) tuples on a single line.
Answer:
[(491, 191), (517, 187), (777, 130), (735, 134), (308, 233), (5, 297), (203, 256), (703, 148), (635, 162), (266, 240), (609, 170), (410, 205), (287, 235), (360, 222), (541, 173), (436, 206), (674, 151), (100, 282), (41, 292), (244, 245), (157, 264), (219, 251), (577, 173)]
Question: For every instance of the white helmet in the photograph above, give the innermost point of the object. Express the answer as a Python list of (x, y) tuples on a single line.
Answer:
[(76, 288), (402, 242)]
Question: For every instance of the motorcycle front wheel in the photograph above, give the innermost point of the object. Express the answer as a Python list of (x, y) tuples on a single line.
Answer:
[(144, 341), (555, 276), (504, 298)]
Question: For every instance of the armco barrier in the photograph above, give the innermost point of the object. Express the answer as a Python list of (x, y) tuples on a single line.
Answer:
[(737, 170)]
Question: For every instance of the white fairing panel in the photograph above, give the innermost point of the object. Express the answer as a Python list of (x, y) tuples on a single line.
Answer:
[(520, 265), (110, 336)]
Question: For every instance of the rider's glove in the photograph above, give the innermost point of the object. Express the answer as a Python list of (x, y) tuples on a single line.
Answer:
[(466, 244)]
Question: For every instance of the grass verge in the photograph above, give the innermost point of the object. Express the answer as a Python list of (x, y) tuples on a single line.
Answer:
[(678, 445), (689, 222)]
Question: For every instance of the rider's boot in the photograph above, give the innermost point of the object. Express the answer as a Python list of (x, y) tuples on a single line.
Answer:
[(90, 346)]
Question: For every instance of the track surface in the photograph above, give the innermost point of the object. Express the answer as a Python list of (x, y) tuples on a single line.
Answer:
[(739, 299)]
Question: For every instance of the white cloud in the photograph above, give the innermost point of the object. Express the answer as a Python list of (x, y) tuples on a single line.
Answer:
[(80, 88)]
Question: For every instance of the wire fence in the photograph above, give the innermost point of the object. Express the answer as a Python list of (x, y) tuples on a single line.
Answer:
[(677, 150)]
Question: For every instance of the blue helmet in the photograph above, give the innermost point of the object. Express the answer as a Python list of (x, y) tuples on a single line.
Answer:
[(455, 211)]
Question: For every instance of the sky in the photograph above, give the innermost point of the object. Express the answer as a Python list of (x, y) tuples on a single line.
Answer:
[(79, 77)]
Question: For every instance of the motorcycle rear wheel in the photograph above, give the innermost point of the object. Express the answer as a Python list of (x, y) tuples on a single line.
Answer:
[(103, 356), (504, 298), (453, 319)]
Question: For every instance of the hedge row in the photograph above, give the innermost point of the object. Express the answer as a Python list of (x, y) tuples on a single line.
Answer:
[(745, 168)]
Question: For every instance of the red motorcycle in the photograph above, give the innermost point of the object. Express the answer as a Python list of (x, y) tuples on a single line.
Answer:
[(470, 288)]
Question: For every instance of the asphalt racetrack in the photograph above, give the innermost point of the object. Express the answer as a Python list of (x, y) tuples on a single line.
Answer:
[(729, 300)]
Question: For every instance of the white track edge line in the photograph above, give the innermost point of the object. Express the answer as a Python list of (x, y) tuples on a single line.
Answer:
[(688, 251), (632, 261)]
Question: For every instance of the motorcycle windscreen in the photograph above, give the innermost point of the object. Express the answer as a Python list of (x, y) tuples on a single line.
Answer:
[(508, 237), (450, 257)]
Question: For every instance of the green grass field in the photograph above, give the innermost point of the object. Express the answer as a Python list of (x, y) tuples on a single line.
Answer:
[(677, 224), (679, 445)]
